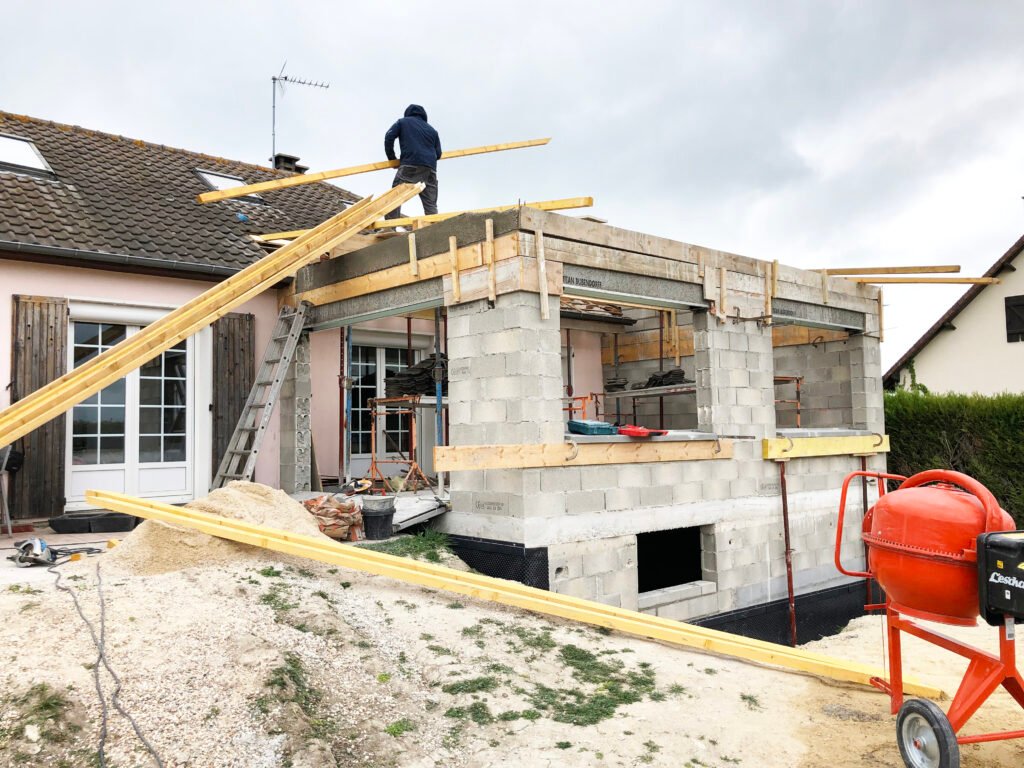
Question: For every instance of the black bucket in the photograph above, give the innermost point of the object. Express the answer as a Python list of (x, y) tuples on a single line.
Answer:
[(378, 516)]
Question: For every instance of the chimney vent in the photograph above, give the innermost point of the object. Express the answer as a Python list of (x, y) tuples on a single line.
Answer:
[(283, 162)]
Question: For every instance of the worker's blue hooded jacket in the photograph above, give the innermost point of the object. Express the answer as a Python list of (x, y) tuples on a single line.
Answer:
[(418, 139)]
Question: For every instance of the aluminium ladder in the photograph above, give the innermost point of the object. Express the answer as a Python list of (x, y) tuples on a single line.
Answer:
[(239, 460)]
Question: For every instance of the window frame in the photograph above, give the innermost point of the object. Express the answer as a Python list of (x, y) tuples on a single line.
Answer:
[(45, 172), (202, 174), (1014, 332)]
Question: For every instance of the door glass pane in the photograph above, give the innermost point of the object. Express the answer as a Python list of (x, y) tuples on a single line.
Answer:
[(364, 387), (103, 413), (163, 401), (397, 432)]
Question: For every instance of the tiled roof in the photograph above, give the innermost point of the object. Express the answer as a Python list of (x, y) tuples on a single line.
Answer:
[(131, 198)]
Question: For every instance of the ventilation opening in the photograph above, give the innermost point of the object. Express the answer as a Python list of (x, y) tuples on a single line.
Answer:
[(283, 162), (668, 558)]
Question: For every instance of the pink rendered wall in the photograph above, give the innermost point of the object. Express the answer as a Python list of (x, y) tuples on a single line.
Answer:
[(20, 277), (587, 373)]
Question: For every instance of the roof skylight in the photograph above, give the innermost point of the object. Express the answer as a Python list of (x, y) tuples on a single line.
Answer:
[(17, 154), (221, 181)]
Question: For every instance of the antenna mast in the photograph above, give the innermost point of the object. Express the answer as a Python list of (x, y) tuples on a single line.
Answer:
[(277, 81)]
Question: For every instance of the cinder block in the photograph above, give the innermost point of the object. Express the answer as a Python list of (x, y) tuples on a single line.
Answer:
[(619, 582), (656, 496), (633, 475), (582, 502), (560, 479), (621, 498)]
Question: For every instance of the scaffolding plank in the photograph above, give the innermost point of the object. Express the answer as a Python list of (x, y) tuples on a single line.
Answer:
[(458, 458), (505, 592), (803, 447), (310, 178), (72, 388)]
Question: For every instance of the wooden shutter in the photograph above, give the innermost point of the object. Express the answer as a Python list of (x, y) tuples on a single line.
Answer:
[(39, 355), (234, 369)]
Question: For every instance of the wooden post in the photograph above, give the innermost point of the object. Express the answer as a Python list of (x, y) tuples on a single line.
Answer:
[(675, 335), (453, 254), (492, 289), (413, 265), (824, 286), (542, 276)]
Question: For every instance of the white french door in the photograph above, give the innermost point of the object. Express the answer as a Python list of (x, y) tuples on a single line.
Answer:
[(370, 365), (137, 435)]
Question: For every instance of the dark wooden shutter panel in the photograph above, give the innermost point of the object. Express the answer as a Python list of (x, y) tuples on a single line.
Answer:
[(234, 369), (39, 355)]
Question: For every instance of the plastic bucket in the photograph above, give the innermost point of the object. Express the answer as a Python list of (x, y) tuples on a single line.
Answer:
[(378, 516)]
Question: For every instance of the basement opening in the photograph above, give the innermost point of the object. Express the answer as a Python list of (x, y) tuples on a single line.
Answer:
[(668, 558)]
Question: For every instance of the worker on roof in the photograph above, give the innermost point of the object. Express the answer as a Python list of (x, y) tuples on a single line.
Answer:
[(421, 149)]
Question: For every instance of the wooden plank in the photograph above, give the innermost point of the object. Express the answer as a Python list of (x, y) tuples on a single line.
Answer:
[(458, 458), (600, 257), (453, 257), (469, 256), (842, 271), (413, 266), (803, 447), (796, 335), (881, 317), (432, 218), (927, 280), (310, 178), (723, 295), (542, 276), (510, 275), (74, 387), (291, 234), (489, 258), (504, 592)]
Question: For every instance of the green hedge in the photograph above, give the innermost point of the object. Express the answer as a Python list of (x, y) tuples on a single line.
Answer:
[(978, 435)]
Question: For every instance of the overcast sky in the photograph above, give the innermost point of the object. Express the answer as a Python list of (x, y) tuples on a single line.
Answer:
[(818, 133)]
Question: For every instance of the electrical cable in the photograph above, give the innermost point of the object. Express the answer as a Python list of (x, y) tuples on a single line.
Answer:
[(101, 657)]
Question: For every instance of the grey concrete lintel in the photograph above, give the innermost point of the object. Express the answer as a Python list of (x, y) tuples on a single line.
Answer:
[(594, 283), (394, 301), (786, 312)]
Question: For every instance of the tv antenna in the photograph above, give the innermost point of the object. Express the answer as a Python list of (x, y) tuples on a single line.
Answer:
[(278, 81)]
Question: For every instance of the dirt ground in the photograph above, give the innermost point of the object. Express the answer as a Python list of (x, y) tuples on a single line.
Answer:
[(231, 656)]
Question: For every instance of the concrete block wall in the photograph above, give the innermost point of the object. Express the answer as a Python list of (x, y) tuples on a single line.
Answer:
[(604, 570), (825, 399), (866, 383), (504, 387), (294, 413), (734, 365)]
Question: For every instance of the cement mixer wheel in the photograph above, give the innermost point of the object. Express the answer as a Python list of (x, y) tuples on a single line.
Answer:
[(925, 737)]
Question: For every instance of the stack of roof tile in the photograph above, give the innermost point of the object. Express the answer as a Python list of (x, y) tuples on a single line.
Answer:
[(417, 379)]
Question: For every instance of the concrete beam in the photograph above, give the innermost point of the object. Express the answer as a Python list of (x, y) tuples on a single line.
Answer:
[(430, 241), (396, 301), (816, 315), (607, 285)]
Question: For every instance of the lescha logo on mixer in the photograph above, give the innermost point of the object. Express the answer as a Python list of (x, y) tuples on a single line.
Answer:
[(1011, 581)]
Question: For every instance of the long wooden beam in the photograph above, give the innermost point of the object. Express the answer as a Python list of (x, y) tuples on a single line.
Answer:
[(310, 178), (455, 458), (408, 221), (503, 592), (541, 205), (75, 386), (840, 271), (927, 280), (804, 447)]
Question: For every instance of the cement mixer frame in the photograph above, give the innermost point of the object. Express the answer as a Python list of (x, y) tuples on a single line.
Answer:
[(927, 736)]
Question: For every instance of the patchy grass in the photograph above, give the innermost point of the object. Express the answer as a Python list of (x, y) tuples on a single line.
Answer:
[(650, 749), (751, 700), (563, 744), (428, 545), (478, 712), (472, 685), (455, 605), (277, 599), (290, 683), (24, 589), (269, 572), (384, 677), (426, 636), (440, 650), (400, 727), (605, 686)]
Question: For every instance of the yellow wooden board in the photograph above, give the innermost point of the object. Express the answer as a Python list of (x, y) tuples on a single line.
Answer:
[(311, 178), (803, 447), (926, 280), (455, 458), (506, 247), (841, 271), (563, 204), (504, 592), (75, 386)]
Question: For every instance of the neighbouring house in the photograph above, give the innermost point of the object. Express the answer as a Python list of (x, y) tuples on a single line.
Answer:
[(976, 345), (102, 234)]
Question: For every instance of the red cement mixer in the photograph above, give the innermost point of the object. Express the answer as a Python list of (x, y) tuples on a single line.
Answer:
[(938, 547)]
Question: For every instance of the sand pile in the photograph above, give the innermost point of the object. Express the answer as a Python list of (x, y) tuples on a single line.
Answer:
[(155, 547)]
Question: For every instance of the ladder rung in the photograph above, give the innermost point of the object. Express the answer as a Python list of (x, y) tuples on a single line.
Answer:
[(233, 477)]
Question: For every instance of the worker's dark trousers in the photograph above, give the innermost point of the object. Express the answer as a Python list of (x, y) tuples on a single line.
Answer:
[(411, 174)]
